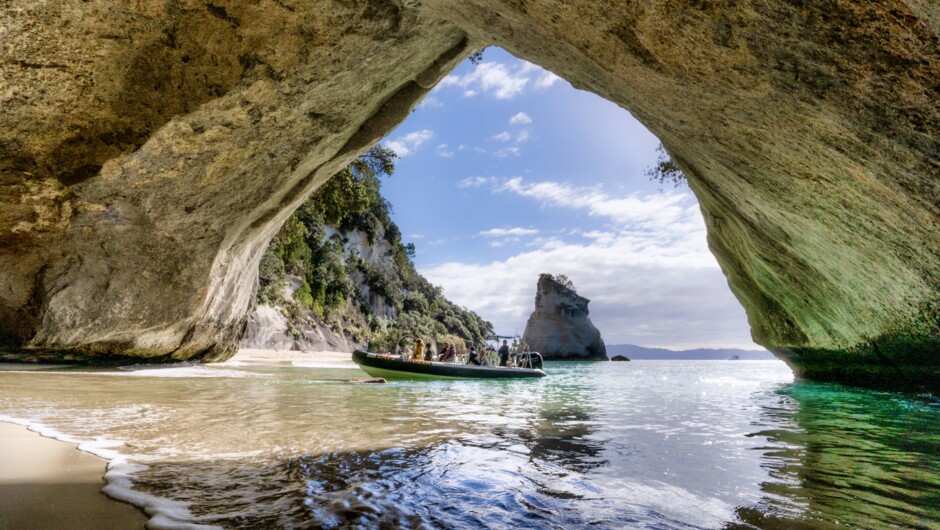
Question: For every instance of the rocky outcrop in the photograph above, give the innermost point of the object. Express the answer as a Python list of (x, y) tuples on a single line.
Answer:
[(275, 327), (148, 151), (559, 328), (268, 328)]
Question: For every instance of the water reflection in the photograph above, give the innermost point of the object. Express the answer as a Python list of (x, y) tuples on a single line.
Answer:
[(655, 444), (564, 433), (842, 457)]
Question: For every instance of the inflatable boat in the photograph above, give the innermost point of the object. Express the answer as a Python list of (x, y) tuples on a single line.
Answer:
[(396, 367)]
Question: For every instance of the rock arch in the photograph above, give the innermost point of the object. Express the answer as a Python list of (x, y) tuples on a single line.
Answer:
[(147, 154)]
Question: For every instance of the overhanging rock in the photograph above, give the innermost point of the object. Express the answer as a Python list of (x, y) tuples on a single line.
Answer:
[(148, 152)]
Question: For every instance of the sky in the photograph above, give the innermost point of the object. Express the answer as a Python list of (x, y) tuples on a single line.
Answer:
[(506, 171)]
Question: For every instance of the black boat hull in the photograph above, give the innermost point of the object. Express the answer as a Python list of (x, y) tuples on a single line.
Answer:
[(394, 367)]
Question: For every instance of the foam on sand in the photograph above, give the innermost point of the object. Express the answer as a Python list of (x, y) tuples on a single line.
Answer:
[(119, 476)]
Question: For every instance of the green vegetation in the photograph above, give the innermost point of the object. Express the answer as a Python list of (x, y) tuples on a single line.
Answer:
[(665, 170), (330, 276), (564, 280), (477, 56)]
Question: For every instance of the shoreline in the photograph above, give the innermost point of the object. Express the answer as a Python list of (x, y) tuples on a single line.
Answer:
[(49, 483), (324, 359)]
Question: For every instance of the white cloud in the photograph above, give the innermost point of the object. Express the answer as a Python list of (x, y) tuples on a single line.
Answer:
[(501, 137), (648, 211), (649, 274), (523, 136), (507, 151), (405, 145), (639, 294), (444, 152), (546, 79), (499, 80), (503, 232), (474, 182), (520, 118)]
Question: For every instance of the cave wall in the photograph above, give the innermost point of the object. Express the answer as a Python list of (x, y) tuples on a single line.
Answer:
[(148, 153), (809, 133)]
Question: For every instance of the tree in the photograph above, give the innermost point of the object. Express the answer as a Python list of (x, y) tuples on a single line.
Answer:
[(665, 170), (477, 56), (566, 281), (354, 191), (351, 200)]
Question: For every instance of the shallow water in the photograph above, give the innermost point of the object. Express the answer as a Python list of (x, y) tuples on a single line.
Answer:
[(655, 444)]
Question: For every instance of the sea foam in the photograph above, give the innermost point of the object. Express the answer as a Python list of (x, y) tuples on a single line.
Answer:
[(165, 514)]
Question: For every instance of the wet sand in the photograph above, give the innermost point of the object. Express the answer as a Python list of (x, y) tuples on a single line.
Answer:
[(290, 356), (48, 484)]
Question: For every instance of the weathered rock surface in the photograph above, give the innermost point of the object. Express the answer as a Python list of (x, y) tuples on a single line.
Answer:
[(559, 327), (268, 329), (149, 150)]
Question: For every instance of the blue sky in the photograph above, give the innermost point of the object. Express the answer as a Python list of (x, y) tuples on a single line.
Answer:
[(507, 171)]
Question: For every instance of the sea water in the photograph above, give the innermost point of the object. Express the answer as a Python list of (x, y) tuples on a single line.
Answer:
[(642, 444)]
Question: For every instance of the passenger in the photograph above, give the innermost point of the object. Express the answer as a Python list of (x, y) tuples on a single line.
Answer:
[(442, 351), (418, 354), (489, 355), (504, 353), (429, 353), (472, 357), (448, 353)]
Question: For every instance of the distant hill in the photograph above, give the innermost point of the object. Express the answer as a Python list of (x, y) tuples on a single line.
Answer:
[(701, 354)]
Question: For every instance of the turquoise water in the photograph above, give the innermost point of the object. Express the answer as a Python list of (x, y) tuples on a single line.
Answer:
[(644, 444)]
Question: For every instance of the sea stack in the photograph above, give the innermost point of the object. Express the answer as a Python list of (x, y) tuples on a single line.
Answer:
[(559, 328)]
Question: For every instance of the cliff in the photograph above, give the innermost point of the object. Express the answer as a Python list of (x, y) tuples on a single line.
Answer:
[(284, 322), (337, 276), (559, 327), (150, 151)]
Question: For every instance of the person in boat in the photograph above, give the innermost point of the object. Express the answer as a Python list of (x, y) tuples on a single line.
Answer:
[(489, 355), (472, 357), (429, 352), (418, 353), (504, 353), (449, 353)]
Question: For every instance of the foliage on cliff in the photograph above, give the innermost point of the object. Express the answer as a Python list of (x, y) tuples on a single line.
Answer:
[(331, 275), (665, 170), (563, 279)]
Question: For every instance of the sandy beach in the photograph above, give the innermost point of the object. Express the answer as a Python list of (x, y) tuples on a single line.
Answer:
[(339, 359), (48, 484)]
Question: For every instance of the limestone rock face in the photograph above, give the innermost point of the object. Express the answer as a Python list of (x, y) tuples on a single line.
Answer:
[(559, 328), (149, 150), (268, 329)]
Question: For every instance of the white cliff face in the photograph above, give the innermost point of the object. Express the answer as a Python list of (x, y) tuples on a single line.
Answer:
[(376, 255), (559, 328), (269, 328)]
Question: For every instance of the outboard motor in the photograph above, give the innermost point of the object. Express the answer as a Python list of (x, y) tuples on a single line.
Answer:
[(529, 359)]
